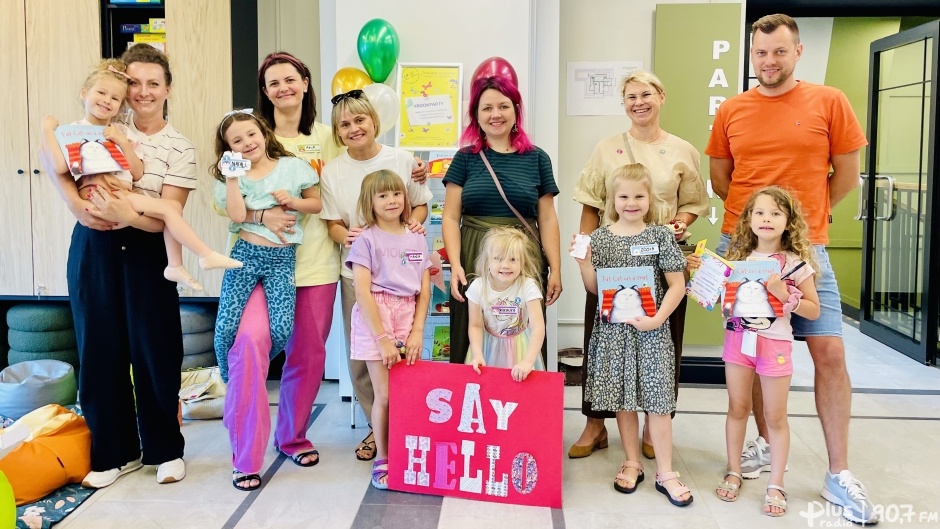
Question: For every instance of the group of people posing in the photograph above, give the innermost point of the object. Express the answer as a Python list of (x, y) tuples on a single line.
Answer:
[(324, 207)]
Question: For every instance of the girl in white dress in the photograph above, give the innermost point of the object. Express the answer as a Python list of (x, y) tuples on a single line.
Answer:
[(505, 302)]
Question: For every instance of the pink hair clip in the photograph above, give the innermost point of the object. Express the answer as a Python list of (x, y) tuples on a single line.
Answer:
[(112, 69)]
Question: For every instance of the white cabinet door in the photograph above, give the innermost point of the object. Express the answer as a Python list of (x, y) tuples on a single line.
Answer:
[(63, 44), (16, 259), (199, 41)]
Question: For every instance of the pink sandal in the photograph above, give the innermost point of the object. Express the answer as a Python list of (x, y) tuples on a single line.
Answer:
[(682, 489), (379, 471)]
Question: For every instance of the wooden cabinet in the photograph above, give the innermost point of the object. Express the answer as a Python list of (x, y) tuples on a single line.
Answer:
[(47, 48), (199, 43)]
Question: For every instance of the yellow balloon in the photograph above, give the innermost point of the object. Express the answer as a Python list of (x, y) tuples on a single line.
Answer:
[(349, 79)]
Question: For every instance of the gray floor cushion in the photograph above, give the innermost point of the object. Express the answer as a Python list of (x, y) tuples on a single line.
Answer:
[(69, 356), (197, 317), (40, 317), (198, 342), (29, 385), (41, 341), (199, 360)]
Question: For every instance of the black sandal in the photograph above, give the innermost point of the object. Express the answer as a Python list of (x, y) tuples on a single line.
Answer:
[(298, 458), (366, 449), (243, 478)]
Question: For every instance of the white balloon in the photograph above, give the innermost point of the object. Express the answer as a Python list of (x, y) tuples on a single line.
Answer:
[(386, 104)]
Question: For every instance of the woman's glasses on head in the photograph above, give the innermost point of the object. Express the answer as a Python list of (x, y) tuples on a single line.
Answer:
[(354, 94)]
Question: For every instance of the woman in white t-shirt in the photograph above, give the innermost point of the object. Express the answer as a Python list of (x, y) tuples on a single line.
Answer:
[(356, 126)]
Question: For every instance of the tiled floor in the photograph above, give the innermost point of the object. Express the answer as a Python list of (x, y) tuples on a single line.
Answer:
[(895, 436)]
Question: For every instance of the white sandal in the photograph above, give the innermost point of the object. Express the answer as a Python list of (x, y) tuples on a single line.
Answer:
[(770, 501), (730, 488)]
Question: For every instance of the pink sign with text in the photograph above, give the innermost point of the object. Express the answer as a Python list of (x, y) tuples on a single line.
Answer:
[(485, 437)]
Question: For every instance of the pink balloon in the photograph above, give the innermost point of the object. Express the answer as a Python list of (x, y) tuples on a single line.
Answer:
[(495, 66)]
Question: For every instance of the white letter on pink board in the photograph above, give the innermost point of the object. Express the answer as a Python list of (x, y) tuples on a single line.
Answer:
[(471, 405), (503, 411), (413, 443), (437, 401), (493, 488), (467, 483)]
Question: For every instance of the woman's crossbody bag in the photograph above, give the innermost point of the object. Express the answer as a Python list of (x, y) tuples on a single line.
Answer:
[(506, 200)]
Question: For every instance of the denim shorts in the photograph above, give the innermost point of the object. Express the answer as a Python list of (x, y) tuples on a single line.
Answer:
[(829, 322)]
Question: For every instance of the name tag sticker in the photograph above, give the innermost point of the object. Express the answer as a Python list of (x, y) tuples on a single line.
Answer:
[(308, 149), (644, 249), (505, 310), (414, 257)]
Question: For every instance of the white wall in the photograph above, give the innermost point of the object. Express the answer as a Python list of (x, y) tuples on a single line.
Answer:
[(292, 26), (595, 30)]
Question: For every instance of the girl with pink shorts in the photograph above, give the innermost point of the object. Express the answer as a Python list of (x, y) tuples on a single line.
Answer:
[(392, 281), (771, 227)]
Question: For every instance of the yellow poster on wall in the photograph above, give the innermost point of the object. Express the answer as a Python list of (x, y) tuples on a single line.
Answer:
[(430, 106)]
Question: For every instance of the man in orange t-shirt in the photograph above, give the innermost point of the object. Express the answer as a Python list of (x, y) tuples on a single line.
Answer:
[(788, 133)]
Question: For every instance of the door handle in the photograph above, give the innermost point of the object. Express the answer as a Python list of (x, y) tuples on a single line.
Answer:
[(889, 215), (861, 214)]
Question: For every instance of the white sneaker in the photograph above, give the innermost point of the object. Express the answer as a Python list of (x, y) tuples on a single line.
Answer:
[(98, 480), (171, 471), (756, 458)]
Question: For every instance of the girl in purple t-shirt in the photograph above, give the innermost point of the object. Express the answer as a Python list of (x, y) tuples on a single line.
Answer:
[(392, 282)]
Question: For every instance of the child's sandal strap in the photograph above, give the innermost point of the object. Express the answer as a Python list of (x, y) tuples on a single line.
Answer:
[(771, 501), (735, 474)]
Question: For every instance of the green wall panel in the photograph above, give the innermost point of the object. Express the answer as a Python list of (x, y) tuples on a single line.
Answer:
[(695, 45)]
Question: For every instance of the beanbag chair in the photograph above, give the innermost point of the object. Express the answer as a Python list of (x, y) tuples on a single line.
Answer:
[(58, 453), (69, 356), (27, 386)]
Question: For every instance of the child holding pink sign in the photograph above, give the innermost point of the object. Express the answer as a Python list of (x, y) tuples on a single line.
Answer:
[(505, 305), (391, 277)]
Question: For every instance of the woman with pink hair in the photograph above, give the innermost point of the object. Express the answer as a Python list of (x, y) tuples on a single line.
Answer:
[(496, 178)]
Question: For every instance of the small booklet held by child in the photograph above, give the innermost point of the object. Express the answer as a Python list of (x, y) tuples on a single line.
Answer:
[(626, 293), (86, 151), (708, 281), (746, 294)]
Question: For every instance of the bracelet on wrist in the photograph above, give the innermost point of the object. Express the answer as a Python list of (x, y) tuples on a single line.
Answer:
[(262, 217), (379, 337)]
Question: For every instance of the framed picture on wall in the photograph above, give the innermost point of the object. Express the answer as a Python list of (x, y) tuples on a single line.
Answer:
[(431, 105)]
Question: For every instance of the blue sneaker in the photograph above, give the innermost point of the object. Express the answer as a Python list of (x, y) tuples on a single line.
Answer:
[(844, 490)]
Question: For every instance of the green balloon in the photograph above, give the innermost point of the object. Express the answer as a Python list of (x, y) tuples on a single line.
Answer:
[(378, 48)]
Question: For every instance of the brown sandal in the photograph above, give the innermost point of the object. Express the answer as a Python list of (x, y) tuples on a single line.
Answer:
[(366, 449)]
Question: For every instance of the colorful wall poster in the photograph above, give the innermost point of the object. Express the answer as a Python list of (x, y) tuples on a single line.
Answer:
[(430, 105)]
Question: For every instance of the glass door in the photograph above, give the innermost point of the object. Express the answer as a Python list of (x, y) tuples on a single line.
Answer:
[(901, 255)]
